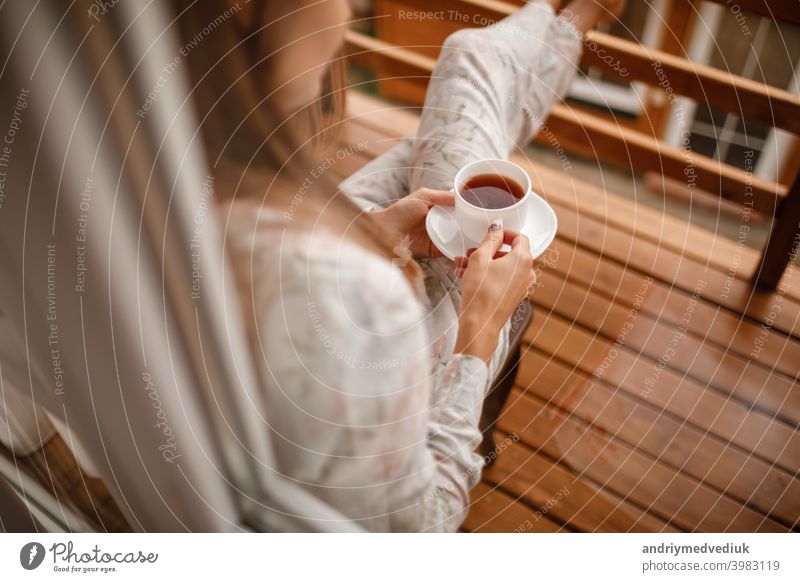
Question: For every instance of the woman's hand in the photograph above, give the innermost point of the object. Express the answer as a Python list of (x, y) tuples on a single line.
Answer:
[(493, 284), (405, 221)]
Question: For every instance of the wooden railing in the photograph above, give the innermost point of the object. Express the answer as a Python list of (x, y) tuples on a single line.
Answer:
[(785, 10), (405, 54)]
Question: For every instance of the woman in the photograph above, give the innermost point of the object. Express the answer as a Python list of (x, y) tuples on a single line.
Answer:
[(374, 365)]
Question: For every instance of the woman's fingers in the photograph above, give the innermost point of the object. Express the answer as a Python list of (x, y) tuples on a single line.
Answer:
[(495, 238), (521, 249), (492, 241), (521, 244), (497, 255), (508, 238), (436, 197)]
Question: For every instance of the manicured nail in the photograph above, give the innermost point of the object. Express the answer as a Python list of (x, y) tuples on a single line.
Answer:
[(471, 250), (496, 225)]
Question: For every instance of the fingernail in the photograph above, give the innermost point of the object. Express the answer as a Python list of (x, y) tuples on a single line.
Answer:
[(471, 250), (496, 225)]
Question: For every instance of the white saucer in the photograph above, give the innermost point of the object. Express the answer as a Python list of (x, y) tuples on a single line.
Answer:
[(540, 228)]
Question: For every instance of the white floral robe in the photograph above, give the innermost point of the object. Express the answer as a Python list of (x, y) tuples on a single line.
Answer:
[(370, 409)]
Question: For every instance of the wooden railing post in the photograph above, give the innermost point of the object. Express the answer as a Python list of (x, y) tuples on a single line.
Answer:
[(781, 242)]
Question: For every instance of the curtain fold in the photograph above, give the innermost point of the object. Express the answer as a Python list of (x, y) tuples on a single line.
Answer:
[(115, 280)]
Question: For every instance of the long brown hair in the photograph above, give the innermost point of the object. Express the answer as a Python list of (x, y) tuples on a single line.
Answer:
[(232, 90)]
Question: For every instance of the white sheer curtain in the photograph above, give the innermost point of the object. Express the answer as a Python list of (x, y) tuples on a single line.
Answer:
[(118, 321)]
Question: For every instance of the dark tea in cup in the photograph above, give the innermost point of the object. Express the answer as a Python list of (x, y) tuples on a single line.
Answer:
[(491, 191)]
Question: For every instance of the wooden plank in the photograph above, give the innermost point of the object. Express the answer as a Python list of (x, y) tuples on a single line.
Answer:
[(654, 225), (585, 506), (791, 163), (390, 60), (424, 36), (728, 329), (726, 255), (678, 23), (782, 244), (723, 90), (493, 511), (683, 397), (348, 165), (743, 97), (677, 26), (696, 452), (659, 488), (733, 376), (54, 466), (785, 10), (671, 267), (629, 149)]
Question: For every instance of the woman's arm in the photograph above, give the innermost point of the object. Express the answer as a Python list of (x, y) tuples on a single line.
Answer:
[(359, 418)]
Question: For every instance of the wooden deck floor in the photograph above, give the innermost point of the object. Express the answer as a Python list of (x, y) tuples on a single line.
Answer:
[(657, 391)]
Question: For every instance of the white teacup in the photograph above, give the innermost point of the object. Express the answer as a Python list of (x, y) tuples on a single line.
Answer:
[(474, 221)]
